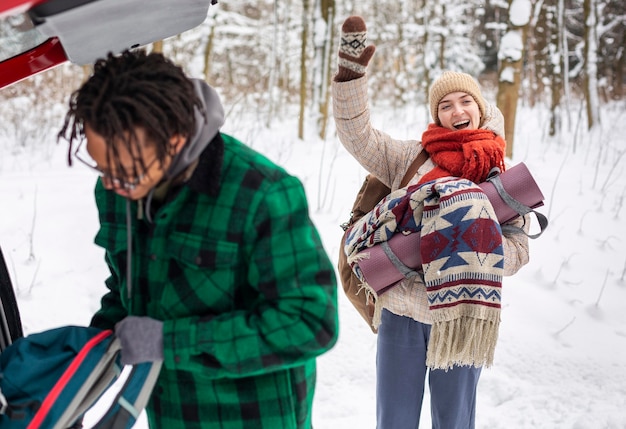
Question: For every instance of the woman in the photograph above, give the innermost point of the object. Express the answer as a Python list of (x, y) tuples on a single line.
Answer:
[(466, 140)]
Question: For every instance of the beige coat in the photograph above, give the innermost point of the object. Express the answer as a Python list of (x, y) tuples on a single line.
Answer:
[(388, 159)]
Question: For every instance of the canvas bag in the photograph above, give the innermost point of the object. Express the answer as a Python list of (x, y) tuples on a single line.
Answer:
[(50, 379), (371, 192)]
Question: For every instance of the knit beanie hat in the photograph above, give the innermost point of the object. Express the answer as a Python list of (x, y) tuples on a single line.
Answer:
[(450, 82)]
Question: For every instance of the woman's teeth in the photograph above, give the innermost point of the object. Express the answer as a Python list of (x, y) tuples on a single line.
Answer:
[(460, 125)]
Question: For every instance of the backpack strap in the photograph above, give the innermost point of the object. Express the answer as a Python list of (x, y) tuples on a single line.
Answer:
[(395, 260), (19, 411), (520, 208), (415, 165), (373, 190), (132, 397)]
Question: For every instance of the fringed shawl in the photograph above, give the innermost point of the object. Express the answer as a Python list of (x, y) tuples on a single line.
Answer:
[(462, 262)]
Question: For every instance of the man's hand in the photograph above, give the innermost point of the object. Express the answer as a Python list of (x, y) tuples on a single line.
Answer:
[(141, 339)]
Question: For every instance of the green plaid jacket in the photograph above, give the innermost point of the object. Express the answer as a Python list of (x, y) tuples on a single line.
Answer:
[(234, 267)]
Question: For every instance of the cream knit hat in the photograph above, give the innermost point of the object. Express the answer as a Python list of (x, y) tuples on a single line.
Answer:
[(449, 82)]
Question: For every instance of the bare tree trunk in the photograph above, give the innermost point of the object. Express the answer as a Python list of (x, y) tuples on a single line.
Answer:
[(590, 89), (620, 70), (442, 41), (208, 50), (555, 66), (328, 72), (427, 66), (324, 18), (157, 46), (87, 70), (536, 42), (509, 75), (563, 52), (282, 63), (271, 86), (303, 67), (400, 62)]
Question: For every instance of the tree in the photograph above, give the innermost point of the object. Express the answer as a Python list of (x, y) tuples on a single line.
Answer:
[(511, 55), (208, 51), (254, 52), (157, 46), (304, 41), (557, 64), (590, 76), (549, 59), (323, 35)]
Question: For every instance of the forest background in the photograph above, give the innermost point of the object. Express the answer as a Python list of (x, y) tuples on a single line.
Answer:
[(555, 66), (277, 58)]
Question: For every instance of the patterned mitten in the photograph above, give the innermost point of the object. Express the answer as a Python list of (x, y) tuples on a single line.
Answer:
[(353, 55)]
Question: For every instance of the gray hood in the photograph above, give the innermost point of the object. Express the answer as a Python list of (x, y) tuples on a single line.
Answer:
[(207, 126)]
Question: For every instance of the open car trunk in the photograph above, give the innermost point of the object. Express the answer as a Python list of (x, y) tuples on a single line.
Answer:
[(36, 35), (10, 322)]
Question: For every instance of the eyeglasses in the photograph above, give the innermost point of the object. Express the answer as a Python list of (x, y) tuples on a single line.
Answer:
[(126, 183)]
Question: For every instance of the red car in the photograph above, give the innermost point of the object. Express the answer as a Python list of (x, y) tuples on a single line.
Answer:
[(36, 35)]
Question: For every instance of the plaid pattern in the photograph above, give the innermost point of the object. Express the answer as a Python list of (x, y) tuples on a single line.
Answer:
[(388, 159), (243, 285)]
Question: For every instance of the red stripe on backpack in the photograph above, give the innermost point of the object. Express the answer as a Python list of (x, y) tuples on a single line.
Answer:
[(65, 378)]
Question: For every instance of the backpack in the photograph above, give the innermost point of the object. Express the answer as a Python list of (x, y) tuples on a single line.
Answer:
[(371, 192), (50, 379)]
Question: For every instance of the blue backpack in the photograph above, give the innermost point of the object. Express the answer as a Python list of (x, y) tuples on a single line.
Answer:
[(50, 379)]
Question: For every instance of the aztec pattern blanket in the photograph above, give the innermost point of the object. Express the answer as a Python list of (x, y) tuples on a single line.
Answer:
[(462, 262)]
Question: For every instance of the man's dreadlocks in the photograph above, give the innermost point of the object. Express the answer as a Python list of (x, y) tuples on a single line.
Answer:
[(132, 90)]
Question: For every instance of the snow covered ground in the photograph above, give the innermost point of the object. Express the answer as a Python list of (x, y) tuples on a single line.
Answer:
[(561, 357)]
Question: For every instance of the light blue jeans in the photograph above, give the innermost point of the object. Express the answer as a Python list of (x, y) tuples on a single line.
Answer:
[(401, 375)]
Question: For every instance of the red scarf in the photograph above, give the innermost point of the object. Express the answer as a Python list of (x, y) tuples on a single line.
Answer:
[(469, 154)]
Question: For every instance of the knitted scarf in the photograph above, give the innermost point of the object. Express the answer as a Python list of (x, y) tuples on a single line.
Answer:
[(462, 262), (469, 154)]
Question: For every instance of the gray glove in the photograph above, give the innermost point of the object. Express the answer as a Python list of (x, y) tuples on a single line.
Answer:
[(141, 339)]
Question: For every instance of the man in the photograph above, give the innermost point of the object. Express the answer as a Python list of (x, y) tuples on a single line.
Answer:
[(216, 267)]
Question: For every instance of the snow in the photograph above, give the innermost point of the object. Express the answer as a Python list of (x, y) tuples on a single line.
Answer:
[(512, 46), (560, 361), (507, 74), (519, 12)]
